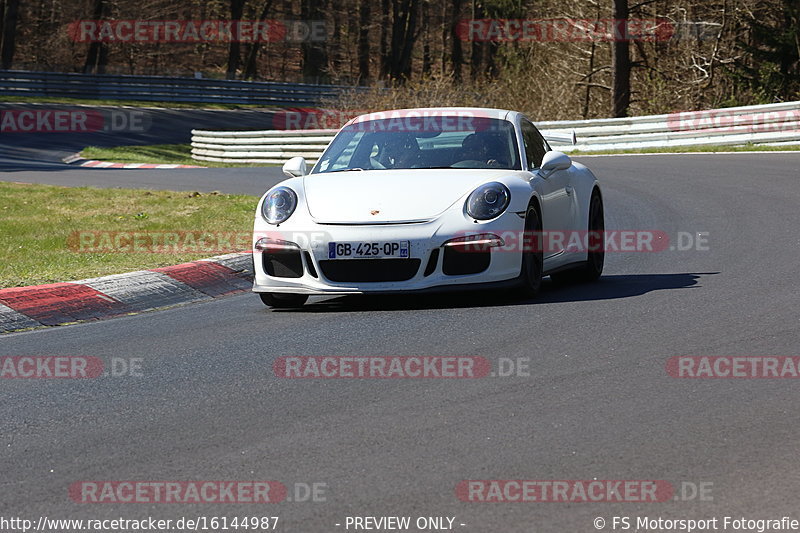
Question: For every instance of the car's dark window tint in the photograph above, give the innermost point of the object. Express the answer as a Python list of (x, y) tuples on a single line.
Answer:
[(422, 142), (535, 145)]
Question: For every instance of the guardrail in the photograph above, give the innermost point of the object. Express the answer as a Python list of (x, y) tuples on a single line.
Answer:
[(764, 124), (267, 146), (163, 89), (734, 126), (273, 146)]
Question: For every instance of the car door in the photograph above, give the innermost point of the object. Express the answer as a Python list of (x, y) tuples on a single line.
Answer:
[(556, 193)]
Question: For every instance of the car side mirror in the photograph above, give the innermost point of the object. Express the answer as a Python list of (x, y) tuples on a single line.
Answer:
[(553, 161), (295, 167)]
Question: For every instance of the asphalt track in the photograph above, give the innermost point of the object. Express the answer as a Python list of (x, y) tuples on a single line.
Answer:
[(598, 402), (37, 157)]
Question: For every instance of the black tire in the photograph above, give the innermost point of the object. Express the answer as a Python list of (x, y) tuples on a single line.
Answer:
[(532, 253), (593, 267), (283, 301)]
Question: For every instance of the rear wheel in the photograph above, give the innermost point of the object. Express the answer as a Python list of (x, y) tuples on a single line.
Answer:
[(593, 267), (283, 301), (532, 254)]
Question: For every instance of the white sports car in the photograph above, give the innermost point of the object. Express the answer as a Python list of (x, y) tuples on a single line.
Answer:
[(428, 199)]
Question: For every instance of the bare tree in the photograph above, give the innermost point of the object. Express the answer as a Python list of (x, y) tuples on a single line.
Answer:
[(404, 34), (97, 56), (456, 53), (364, 14), (234, 47), (315, 54), (620, 61), (250, 65)]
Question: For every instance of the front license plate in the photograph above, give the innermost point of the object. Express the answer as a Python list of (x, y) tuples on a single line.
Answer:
[(368, 250)]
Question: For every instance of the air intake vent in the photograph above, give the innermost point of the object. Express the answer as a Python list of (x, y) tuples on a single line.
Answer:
[(369, 270)]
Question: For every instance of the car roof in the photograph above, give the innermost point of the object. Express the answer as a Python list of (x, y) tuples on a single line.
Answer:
[(485, 112)]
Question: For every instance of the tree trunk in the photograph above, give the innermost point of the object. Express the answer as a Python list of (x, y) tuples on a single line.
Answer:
[(404, 26), (2, 22), (234, 47), (98, 52), (364, 13), (620, 61), (407, 52), (478, 47), (9, 33), (384, 40), (250, 65), (427, 58), (315, 56), (588, 96), (457, 53)]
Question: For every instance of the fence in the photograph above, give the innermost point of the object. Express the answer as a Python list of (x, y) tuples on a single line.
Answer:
[(163, 89), (764, 124), (734, 126), (268, 146)]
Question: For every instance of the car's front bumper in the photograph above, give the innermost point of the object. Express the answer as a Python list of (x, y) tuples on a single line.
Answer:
[(430, 266)]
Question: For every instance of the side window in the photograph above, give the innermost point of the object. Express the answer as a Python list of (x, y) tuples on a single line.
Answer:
[(535, 145)]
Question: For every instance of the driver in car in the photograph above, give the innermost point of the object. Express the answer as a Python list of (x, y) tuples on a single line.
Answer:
[(399, 151), (482, 147)]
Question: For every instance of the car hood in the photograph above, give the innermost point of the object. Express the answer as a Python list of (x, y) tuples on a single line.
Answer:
[(386, 196)]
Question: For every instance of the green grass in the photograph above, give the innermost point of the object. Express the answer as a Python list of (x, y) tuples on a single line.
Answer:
[(699, 149), (43, 227), (174, 154), (130, 103)]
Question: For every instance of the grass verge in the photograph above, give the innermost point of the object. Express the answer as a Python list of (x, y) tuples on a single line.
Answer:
[(45, 227), (166, 154)]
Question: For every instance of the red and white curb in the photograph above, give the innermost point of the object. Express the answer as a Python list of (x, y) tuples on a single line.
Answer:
[(121, 294), (77, 160), (106, 164)]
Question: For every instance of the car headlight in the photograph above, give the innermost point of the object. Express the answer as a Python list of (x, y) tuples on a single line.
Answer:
[(488, 201), (279, 205)]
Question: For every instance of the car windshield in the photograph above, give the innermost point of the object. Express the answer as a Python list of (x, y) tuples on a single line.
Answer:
[(422, 142)]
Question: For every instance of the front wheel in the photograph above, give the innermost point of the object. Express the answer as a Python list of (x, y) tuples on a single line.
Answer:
[(283, 301), (593, 267), (532, 253)]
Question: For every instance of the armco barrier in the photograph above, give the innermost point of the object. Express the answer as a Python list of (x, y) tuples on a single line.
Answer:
[(763, 124), (276, 146), (734, 126), (269, 146), (163, 89)]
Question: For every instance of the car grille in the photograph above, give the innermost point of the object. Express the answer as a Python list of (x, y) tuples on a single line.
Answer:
[(369, 270)]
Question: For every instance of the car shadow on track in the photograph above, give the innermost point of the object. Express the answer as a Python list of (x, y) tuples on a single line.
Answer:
[(606, 288)]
